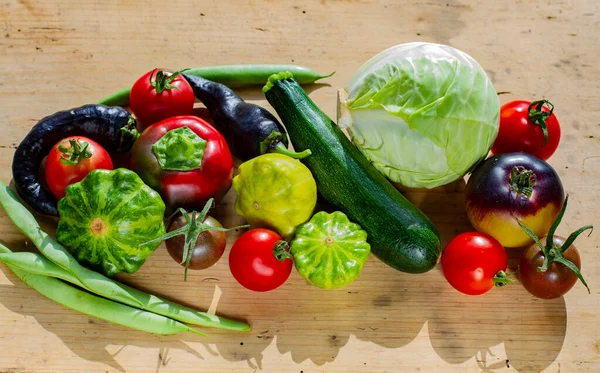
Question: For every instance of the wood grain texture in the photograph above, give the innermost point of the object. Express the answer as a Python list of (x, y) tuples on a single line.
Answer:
[(60, 54)]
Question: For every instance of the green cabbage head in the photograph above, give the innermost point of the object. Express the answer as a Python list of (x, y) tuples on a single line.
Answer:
[(424, 114)]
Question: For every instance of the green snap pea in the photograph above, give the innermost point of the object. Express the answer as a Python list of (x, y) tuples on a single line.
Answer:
[(38, 264), (101, 308), (56, 253), (232, 76)]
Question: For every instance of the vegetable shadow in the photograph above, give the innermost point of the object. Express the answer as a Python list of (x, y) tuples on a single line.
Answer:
[(85, 336), (384, 307), (462, 327), (390, 308), (532, 330), (89, 337)]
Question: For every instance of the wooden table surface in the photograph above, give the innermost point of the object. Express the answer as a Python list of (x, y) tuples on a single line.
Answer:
[(56, 55)]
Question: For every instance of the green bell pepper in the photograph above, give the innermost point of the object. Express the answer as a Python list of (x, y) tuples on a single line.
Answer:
[(275, 191), (329, 250)]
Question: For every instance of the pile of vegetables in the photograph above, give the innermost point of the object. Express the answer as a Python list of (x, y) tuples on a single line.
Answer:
[(418, 114)]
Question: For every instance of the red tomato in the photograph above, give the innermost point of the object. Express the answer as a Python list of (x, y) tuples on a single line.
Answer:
[(472, 261), (188, 187), (160, 94), (521, 129), (70, 160), (253, 262)]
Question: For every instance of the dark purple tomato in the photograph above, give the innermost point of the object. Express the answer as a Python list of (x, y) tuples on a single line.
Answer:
[(507, 187), (557, 280), (209, 247)]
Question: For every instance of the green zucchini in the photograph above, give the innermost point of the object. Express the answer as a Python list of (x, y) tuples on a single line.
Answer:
[(400, 234)]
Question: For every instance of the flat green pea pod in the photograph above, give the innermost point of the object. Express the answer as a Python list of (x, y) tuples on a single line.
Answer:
[(106, 218), (275, 191), (329, 250)]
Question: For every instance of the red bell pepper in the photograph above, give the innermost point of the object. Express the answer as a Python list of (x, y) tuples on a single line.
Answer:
[(185, 159)]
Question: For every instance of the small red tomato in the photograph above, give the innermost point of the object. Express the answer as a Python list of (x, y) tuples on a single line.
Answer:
[(474, 262), (528, 127), (160, 94), (70, 160), (259, 261)]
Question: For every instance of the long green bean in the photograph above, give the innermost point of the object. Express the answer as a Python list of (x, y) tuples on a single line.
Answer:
[(56, 253), (38, 264), (232, 76), (101, 308)]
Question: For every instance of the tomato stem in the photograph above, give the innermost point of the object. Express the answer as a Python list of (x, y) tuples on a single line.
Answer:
[(501, 279), (164, 79), (553, 253), (75, 153), (522, 180), (281, 250), (538, 116)]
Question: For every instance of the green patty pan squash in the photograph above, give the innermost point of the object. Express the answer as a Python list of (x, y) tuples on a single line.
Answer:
[(329, 250), (275, 191), (106, 218)]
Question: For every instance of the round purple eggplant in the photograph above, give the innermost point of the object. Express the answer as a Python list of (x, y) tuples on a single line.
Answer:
[(508, 188)]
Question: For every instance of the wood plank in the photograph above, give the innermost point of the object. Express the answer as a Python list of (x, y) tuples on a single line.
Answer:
[(60, 54)]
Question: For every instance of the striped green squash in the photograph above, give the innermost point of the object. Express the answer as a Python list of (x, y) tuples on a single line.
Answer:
[(105, 219), (330, 251)]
